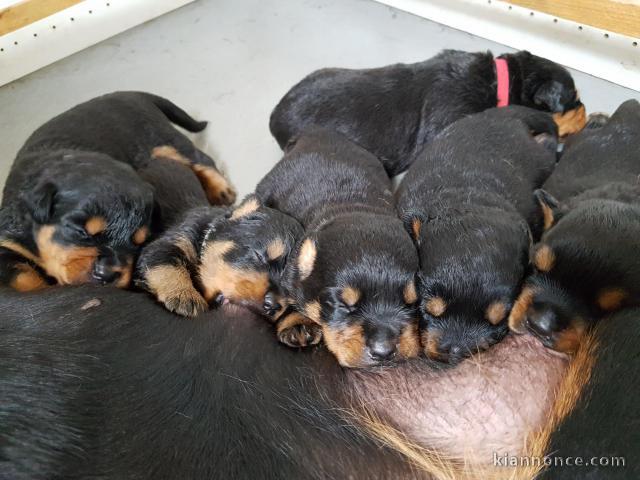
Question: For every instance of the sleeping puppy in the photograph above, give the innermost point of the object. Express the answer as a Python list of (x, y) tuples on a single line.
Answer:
[(74, 210), (213, 256), (394, 111), (467, 203), (352, 274), (586, 262)]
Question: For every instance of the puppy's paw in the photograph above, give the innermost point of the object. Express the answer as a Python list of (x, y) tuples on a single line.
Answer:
[(186, 302), (218, 189), (172, 286), (297, 331)]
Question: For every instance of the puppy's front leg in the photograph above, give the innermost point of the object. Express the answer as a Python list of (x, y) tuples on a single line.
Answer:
[(19, 273), (167, 266), (295, 330)]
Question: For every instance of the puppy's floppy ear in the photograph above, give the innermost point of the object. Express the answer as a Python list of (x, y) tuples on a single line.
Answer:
[(247, 207), (549, 96), (552, 209), (40, 202)]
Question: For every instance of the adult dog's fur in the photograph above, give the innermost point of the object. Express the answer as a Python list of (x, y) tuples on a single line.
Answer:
[(394, 111), (101, 383)]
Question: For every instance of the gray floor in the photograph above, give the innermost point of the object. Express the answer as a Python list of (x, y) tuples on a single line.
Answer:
[(230, 62)]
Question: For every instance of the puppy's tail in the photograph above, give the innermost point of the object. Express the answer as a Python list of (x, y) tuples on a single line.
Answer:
[(175, 114)]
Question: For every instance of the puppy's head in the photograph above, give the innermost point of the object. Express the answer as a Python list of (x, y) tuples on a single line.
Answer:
[(584, 269), (471, 268), (548, 86), (90, 215), (243, 255), (355, 276)]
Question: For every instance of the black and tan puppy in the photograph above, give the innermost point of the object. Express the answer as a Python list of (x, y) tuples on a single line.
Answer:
[(351, 277), (353, 272), (587, 260), (74, 210), (394, 111), (214, 256), (468, 203)]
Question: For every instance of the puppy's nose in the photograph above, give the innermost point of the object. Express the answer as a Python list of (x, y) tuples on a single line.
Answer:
[(382, 350), (104, 273), (271, 305), (541, 322)]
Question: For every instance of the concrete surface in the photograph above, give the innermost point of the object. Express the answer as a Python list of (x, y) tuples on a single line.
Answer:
[(230, 62)]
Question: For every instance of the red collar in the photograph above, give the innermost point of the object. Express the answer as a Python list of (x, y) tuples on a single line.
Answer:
[(502, 75)]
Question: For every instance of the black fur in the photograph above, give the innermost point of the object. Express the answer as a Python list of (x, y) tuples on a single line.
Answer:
[(82, 165), (605, 421), (394, 111), (592, 202), (342, 197), (101, 383), (203, 227), (468, 202)]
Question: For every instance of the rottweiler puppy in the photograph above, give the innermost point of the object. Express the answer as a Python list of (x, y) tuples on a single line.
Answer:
[(214, 256), (586, 262), (394, 111), (352, 275), (74, 210), (468, 203), (318, 248)]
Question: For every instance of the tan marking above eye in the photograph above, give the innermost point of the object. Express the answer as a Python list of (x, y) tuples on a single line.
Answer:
[(496, 312), (544, 258), (95, 225), (435, 306), (140, 235), (276, 249), (611, 299), (410, 295), (306, 258), (248, 207), (350, 296)]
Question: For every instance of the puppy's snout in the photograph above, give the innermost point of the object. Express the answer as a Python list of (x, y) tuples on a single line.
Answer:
[(104, 272), (542, 322), (382, 349), (271, 306)]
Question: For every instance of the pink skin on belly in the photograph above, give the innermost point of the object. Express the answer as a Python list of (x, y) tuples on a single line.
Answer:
[(489, 403)]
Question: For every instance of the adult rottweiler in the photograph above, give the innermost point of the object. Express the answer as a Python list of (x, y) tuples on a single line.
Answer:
[(586, 262), (102, 383), (468, 203), (74, 210), (394, 111)]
